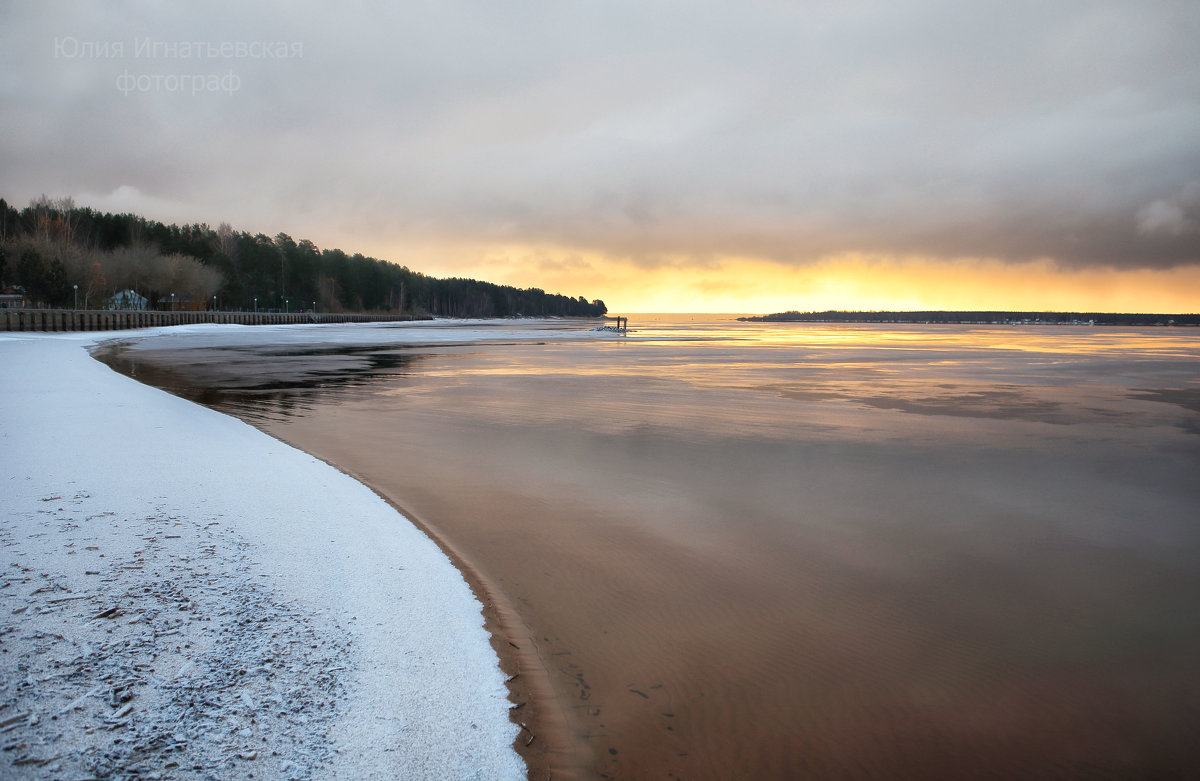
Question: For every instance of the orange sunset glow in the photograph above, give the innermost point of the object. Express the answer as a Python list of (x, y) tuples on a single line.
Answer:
[(848, 282)]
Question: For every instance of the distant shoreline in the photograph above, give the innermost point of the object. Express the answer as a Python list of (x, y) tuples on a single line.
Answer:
[(982, 318)]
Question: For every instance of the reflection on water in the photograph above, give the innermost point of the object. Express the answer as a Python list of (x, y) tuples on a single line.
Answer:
[(1076, 374), (796, 550), (262, 383)]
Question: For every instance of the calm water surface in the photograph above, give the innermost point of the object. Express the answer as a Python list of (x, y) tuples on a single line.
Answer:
[(793, 551)]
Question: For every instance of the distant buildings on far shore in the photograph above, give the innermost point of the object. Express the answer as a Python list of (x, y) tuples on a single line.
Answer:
[(982, 318)]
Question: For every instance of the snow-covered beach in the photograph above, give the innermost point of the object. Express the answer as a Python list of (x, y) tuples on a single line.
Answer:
[(184, 596)]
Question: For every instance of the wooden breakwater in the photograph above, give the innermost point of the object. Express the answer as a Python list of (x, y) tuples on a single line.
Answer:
[(106, 320)]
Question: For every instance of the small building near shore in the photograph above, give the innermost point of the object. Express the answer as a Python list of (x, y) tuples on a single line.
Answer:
[(128, 300), (13, 298)]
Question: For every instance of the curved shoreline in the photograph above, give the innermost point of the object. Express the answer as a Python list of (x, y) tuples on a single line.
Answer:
[(544, 741), (423, 693)]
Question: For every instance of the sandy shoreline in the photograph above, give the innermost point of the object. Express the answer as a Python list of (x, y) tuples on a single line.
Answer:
[(184, 597), (543, 741)]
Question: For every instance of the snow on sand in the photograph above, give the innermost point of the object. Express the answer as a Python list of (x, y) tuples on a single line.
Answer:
[(182, 596)]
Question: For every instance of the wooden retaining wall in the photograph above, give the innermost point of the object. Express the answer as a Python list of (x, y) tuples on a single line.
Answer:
[(103, 320)]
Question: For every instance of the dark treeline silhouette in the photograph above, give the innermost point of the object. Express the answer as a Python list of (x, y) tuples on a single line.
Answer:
[(58, 254), (997, 317)]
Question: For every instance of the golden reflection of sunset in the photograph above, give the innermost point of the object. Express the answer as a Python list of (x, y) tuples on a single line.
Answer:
[(847, 282)]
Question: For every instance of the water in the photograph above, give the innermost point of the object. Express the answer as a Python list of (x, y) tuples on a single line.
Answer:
[(790, 550)]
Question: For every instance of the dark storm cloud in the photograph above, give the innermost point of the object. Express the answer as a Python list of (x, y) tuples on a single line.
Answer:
[(1008, 130)]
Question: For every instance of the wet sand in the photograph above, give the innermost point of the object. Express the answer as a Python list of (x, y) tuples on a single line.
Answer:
[(828, 552)]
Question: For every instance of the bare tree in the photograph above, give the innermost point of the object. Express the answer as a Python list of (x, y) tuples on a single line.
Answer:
[(54, 219), (189, 279), (131, 268), (42, 209), (227, 242), (68, 216), (84, 269)]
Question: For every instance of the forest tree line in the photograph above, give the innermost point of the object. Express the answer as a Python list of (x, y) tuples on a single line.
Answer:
[(61, 255)]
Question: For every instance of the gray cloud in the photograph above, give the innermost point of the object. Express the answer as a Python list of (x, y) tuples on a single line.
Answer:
[(1008, 130)]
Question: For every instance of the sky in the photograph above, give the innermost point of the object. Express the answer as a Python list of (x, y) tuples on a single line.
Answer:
[(698, 156)]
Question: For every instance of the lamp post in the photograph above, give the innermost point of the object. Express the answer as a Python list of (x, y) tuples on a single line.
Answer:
[(256, 305), (172, 302), (214, 303), (76, 295)]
